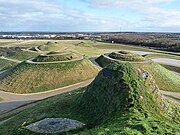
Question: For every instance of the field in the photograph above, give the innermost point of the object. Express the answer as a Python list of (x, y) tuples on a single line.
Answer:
[(21, 43), (83, 47)]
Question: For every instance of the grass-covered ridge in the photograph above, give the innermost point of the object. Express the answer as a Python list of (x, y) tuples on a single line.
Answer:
[(123, 103), (172, 68), (56, 56), (30, 77), (5, 64), (22, 55), (126, 56), (165, 79)]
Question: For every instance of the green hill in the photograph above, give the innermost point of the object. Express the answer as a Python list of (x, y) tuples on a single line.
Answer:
[(29, 77), (126, 56), (56, 56), (165, 79), (123, 99)]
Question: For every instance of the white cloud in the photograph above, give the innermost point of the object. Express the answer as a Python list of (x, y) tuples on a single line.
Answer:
[(49, 16), (153, 16)]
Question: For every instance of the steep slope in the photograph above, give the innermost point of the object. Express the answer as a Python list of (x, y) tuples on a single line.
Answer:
[(122, 86), (165, 79), (31, 77)]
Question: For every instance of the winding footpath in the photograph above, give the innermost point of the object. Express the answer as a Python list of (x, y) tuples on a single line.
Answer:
[(18, 61)]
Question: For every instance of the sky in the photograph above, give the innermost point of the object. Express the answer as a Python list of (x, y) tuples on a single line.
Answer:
[(90, 15)]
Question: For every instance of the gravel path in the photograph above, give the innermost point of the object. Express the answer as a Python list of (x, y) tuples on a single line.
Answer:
[(18, 61), (167, 61)]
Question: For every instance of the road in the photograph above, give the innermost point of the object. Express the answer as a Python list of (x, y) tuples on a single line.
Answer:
[(167, 61)]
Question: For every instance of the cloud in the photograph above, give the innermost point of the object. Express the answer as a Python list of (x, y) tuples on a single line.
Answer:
[(45, 15), (152, 15)]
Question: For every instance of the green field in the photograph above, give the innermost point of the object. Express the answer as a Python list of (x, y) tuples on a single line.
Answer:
[(21, 43), (83, 47), (123, 104)]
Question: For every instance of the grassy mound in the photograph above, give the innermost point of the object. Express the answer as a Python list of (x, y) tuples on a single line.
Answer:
[(118, 101), (126, 56), (30, 77), (165, 79), (56, 56), (104, 60)]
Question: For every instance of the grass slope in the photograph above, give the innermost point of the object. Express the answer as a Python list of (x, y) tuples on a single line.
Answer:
[(165, 79), (29, 78), (5, 64), (172, 68), (56, 57), (122, 104), (126, 56), (22, 55)]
